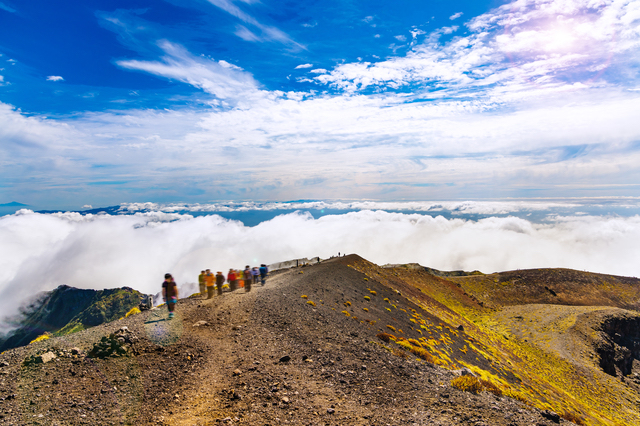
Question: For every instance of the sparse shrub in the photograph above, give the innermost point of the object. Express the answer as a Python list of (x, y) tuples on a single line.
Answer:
[(347, 303), (373, 292), (355, 317), (386, 299), (310, 302), (346, 313), (467, 384), (490, 387), (388, 309), (414, 342), (511, 393), (572, 417), (367, 298), (399, 353), (304, 296), (390, 327), (365, 309), (423, 353), (385, 337), (404, 344), (366, 279)]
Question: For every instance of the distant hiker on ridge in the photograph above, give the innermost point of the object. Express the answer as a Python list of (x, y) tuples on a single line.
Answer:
[(248, 278), (201, 282), (209, 279), (170, 293), (255, 273), (263, 273), (231, 277), (219, 282)]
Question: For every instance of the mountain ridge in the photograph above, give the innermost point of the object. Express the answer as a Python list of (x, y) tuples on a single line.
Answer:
[(344, 342)]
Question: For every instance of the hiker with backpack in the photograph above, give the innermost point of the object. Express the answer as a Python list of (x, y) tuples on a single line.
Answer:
[(201, 282), (170, 293), (219, 282), (263, 273), (231, 278), (209, 280), (248, 278)]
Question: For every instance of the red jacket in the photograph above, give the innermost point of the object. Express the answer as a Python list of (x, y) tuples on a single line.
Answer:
[(231, 276)]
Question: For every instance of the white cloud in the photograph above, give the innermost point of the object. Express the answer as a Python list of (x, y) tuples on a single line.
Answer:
[(400, 38), (221, 79), (543, 41), (301, 66), (39, 252), (455, 16), (55, 78)]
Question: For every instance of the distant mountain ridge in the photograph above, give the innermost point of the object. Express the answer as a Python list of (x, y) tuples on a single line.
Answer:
[(436, 272), (66, 310), (13, 204)]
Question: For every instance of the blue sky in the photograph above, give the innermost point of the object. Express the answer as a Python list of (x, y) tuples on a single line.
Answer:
[(103, 102)]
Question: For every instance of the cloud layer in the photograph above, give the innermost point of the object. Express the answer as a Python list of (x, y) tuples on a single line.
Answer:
[(41, 251)]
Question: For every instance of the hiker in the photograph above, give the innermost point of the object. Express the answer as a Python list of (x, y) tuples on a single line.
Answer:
[(219, 282), (248, 278), (209, 279), (255, 273), (170, 293), (263, 273), (231, 278), (201, 282)]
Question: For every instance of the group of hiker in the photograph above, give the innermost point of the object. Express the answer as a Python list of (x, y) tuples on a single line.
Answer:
[(235, 278), (209, 283)]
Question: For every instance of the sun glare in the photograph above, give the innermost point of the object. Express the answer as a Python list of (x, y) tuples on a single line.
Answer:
[(558, 40)]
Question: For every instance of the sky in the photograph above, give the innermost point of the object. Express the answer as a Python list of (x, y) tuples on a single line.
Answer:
[(479, 135), (108, 102)]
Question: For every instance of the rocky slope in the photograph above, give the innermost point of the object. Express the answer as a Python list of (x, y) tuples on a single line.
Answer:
[(343, 342)]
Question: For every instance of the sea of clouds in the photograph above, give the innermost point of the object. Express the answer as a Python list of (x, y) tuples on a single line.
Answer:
[(42, 251)]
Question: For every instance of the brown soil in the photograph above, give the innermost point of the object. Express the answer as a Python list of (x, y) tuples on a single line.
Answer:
[(267, 357)]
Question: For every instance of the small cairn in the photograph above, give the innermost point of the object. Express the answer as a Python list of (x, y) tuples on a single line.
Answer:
[(116, 344)]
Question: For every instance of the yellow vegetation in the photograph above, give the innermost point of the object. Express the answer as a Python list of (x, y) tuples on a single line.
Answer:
[(367, 298), (304, 296), (347, 303), (40, 338), (310, 302), (373, 292), (365, 309), (467, 384), (133, 311)]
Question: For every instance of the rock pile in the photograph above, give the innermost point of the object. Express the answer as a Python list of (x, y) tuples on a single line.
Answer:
[(116, 344)]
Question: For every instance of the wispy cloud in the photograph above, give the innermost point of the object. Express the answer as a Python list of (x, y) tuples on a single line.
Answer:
[(55, 78), (536, 45), (301, 66), (267, 32), (219, 78), (455, 16), (9, 9)]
